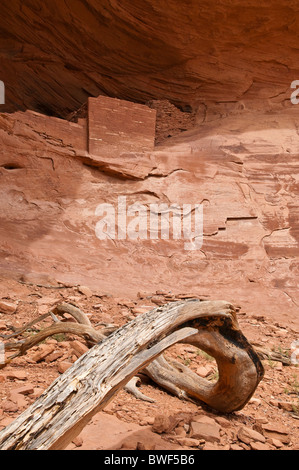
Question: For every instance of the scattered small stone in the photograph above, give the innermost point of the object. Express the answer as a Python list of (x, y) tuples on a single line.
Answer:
[(2, 325), (54, 356), (126, 303), (245, 446), (6, 421), (68, 285), (145, 446), (16, 375), (273, 402), (189, 442), (29, 360), (27, 389), (180, 431), (63, 366), (143, 295), (161, 292), (223, 422), (75, 299), (78, 441), (276, 443), (261, 420), (161, 424), (187, 296), (202, 418), (286, 405), (18, 399), (9, 406), (143, 422), (259, 446), (150, 420), (282, 333), (97, 307), (255, 401), (37, 393), (64, 345), (276, 431), (278, 365), (78, 347), (158, 300), (205, 428), (186, 427), (235, 447), (52, 341), (43, 351), (129, 317), (248, 435), (169, 297), (7, 307), (209, 446), (85, 291), (203, 371), (139, 310)]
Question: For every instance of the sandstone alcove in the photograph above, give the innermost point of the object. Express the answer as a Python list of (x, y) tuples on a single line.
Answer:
[(166, 103)]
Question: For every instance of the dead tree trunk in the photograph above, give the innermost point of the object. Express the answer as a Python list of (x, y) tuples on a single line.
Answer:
[(63, 410)]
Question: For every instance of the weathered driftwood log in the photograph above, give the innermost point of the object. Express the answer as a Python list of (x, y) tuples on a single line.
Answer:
[(63, 410)]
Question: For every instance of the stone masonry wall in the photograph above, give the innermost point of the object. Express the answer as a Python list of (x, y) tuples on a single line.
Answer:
[(112, 127), (117, 126)]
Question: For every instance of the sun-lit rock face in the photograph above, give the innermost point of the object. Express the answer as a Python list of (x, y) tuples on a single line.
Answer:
[(214, 57)]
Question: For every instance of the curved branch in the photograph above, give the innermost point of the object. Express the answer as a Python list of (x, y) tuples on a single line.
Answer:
[(75, 312)]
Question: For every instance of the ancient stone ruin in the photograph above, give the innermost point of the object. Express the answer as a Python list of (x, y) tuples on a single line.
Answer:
[(149, 234)]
